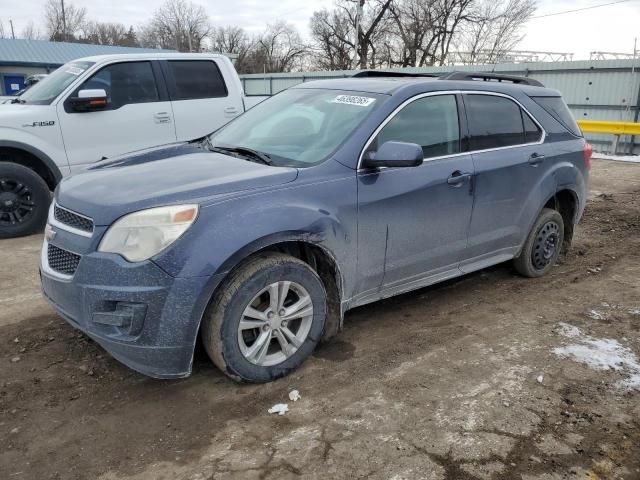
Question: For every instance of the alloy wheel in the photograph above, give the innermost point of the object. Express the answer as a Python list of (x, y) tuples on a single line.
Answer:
[(275, 323)]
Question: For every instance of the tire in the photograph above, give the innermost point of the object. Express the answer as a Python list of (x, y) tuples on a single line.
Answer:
[(235, 352), (24, 201), (543, 245)]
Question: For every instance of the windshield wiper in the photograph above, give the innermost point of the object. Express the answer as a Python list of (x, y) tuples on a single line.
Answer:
[(244, 151), (18, 100)]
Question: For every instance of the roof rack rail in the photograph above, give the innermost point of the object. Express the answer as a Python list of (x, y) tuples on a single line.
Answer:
[(381, 73), (488, 77)]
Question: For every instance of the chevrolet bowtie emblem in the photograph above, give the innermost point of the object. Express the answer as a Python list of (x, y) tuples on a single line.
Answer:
[(49, 233)]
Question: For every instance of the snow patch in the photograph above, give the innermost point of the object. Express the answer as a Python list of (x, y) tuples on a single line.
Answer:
[(618, 158), (279, 408), (601, 354), (596, 315)]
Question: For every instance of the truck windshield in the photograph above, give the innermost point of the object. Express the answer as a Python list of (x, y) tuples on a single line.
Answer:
[(298, 127), (45, 91)]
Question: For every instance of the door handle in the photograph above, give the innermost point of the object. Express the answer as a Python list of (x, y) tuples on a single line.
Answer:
[(536, 159), (457, 178), (162, 117), (231, 111)]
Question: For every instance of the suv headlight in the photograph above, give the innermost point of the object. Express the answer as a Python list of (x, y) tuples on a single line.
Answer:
[(141, 235)]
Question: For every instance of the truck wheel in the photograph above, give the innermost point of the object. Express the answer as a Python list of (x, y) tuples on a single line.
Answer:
[(266, 319), (543, 245), (24, 201)]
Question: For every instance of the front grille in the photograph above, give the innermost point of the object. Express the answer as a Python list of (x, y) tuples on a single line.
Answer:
[(62, 261), (67, 217)]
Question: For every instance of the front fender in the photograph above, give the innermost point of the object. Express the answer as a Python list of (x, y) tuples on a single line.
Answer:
[(48, 148), (321, 214)]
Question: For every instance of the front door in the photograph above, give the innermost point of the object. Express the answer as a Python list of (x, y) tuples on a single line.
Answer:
[(413, 221), (136, 117)]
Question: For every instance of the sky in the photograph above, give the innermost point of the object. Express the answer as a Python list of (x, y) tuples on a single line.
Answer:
[(610, 28)]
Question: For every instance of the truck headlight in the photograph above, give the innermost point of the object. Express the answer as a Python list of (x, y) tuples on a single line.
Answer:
[(141, 235)]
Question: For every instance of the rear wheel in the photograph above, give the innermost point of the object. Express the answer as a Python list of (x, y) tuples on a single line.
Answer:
[(543, 245), (24, 201), (266, 319)]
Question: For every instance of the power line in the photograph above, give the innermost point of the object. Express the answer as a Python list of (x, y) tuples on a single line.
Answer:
[(581, 9)]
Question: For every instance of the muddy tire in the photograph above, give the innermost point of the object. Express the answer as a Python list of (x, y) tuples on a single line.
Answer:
[(543, 245), (24, 201), (266, 319)]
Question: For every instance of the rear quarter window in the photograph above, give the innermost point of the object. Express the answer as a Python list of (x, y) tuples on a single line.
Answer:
[(196, 79), (556, 107)]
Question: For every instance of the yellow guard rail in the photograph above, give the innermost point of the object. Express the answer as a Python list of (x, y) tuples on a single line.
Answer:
[(615, 128)]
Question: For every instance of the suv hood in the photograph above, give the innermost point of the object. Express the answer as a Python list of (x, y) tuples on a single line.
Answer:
[(184, 173)]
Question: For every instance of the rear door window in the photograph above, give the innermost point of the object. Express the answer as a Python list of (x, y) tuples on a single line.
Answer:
[(196, 79), (494, 122), (532, 132), (556, 107)]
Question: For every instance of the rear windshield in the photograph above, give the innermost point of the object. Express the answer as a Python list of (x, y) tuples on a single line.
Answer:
[(556, 107)]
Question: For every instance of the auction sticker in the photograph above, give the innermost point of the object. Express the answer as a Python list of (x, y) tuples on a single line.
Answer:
[(74, 70), (354, 100)]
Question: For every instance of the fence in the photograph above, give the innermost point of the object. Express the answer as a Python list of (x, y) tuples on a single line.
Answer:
[(602, 90)]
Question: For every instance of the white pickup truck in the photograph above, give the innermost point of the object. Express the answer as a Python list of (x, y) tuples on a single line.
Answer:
[(99, 107)]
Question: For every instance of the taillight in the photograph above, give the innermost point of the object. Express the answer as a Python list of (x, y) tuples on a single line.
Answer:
[(587, 152)]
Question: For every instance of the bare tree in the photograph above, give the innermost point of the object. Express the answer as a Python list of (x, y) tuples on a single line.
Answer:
[(231, 39), (495, 29), (280, 48), (99, 33), (352, 33), (1, 29), (31, 32), (63, 28), (333, 40), (177, 25)]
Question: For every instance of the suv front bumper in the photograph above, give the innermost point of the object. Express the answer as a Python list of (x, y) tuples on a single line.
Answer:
[(138, 313)]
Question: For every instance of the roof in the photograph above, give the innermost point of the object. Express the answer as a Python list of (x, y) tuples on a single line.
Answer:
[(391, 85), (42, 53)]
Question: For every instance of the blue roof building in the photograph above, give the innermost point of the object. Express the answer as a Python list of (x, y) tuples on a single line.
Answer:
[(21, 58)]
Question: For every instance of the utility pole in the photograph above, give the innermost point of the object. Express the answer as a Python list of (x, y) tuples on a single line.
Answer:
[(359, 8), (13, 35), (64, 22)]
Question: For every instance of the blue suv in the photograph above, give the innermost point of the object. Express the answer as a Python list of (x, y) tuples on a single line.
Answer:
[(329, 195)]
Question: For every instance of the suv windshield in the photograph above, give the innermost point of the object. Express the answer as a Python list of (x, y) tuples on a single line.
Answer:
[(45, 91), (298, 127)]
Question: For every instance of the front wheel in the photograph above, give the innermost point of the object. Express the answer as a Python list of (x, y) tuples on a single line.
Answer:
[(24, 201), (543, 245), (266, 319)]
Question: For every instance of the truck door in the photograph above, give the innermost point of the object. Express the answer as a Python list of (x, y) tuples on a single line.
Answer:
[(202, 101), (137, 115)]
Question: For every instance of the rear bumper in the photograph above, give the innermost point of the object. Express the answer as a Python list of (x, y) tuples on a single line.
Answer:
[(138, 313)]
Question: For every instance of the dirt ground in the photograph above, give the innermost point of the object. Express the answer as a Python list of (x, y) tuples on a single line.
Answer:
[(488, 376)]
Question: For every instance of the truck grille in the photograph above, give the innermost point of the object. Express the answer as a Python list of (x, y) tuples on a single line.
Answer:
[(62, 261), (74, 220)]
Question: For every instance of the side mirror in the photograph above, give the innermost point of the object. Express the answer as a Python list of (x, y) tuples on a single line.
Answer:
[(90, 100), (395, 154)]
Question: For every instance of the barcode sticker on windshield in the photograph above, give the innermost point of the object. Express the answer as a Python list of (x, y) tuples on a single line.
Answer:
[(354, 100), (74, 70)]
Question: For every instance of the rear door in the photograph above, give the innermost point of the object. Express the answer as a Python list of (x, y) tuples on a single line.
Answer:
[(202, 101), (509, 161), (138, 115)]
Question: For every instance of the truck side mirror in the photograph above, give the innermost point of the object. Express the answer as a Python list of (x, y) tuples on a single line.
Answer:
[(90, 100), (395, 154)]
